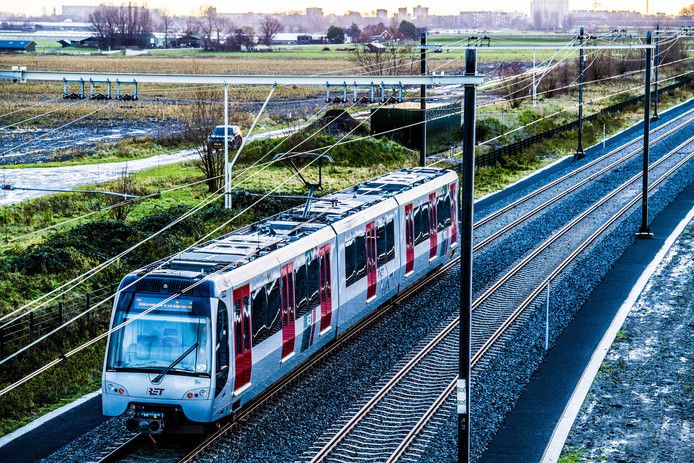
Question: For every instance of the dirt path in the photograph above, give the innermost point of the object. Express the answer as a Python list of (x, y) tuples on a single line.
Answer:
[(71, 176), (639, 407)]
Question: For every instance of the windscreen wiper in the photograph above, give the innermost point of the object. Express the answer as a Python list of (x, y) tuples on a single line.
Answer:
[(166, 370)]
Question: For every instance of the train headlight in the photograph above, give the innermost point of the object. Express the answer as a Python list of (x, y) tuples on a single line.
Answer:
[(202, 393), (116, 389)]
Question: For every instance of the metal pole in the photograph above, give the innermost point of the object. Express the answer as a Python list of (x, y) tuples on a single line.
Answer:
[(657, 64), (227, 180), (423, 101), (547, 319), (645, 231), (466, 216), (534, 83), (581, 57)]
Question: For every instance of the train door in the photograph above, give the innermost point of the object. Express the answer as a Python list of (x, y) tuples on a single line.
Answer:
[(371, 260), (222, 348), (433, 236), (454, 212), (326, 300), (409, 239), (288, 309), (242, 337)]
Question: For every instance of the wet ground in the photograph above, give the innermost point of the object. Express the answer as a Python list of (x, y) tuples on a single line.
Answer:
[(638, 408), (68, 177), (38, 144)]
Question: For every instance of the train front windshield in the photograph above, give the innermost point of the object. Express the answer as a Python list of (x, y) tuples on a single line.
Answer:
[(153, 340)]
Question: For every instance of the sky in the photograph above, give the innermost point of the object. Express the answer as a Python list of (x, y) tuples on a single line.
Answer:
[(363, 6)]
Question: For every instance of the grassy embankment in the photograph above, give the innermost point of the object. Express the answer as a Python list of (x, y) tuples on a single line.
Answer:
[(34, 266), (42, 262)]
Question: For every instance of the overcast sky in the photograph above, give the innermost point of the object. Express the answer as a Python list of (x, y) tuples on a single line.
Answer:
[(364, 6)]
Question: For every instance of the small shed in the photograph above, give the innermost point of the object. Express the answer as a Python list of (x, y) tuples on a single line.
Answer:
[(401, 123), (17, 46), (188, 41)]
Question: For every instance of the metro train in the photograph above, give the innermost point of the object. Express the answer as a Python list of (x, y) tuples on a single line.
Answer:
[(261, 300)]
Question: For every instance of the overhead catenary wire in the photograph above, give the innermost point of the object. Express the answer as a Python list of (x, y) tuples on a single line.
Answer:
[(165, 261), (4, 317), (78, 280)]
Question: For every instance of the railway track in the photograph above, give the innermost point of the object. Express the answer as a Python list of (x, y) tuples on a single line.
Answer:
[(121, 448), (384, 428), (555, 192)]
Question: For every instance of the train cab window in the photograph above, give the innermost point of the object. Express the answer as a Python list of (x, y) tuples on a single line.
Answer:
[(381, 245), (273, 320), (360, 256), (222, 347), (300, 292), (259, 316), (313, 283), (390, 240)]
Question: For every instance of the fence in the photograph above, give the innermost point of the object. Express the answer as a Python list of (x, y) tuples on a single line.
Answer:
[(495, 156), (21, 331)]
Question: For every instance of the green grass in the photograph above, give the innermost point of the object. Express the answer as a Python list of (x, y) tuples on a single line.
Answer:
[(30, 268), (572, 455)]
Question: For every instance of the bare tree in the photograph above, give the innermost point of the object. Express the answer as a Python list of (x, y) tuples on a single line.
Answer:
[(207, 22), (167, 22), (269, 28), (390, 59), (200, 119), (122, 26), (121, 206), (515, 87)]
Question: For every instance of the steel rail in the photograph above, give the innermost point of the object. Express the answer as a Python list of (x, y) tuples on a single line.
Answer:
[(421, 424), (351, 424), (401, 297), (556, 182), (312, 361), (123, 449), (554, 199)]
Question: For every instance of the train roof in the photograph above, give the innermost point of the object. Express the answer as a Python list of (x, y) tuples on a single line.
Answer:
[(247, 244)]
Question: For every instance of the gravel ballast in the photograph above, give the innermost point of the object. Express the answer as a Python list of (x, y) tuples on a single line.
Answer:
[(286, 426)]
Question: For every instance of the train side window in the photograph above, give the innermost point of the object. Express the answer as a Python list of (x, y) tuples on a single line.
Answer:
[(381, 247), (313, 283), (417, 224), (222, 347), (350, 263), (300, 291), (422, 224), (259, 316), (443, 212), (360, 256), (390, 240), (273, 320)]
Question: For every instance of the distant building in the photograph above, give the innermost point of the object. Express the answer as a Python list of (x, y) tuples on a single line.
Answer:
[(188, 41), (78, 12), (314, 12), (382, 14), (420, 13), (549, 14), (17, 46), (402, 14)]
